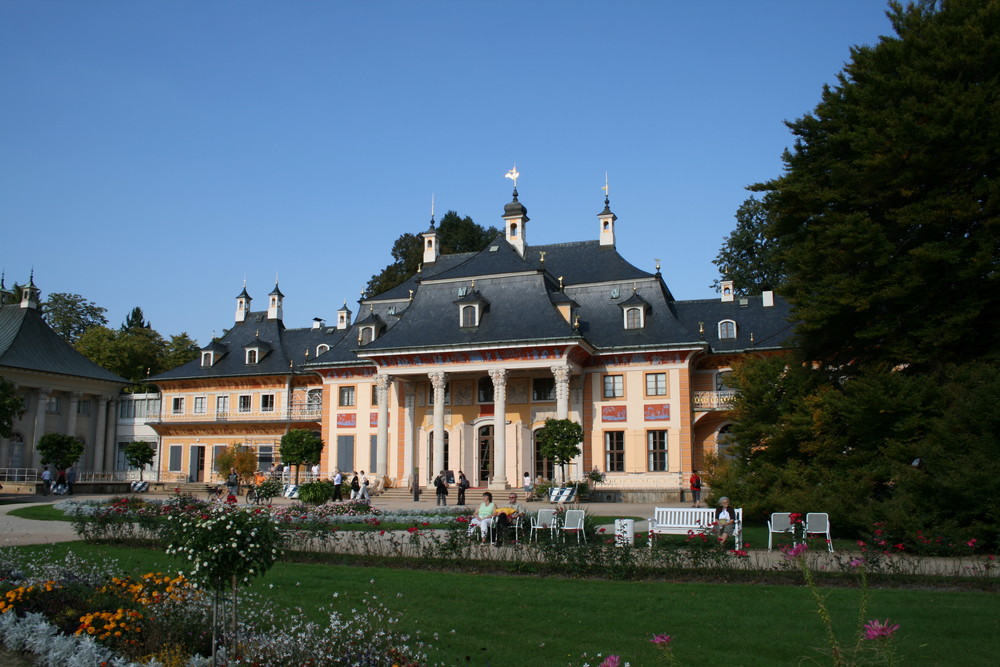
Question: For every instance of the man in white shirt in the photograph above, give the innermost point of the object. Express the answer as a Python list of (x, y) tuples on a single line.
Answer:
[(338, 480)]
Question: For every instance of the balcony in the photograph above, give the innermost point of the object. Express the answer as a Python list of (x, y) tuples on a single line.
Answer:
[(704, 401), (295, 413)]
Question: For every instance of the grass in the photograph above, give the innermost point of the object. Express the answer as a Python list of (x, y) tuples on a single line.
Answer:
[(516, 620), (40, 513)]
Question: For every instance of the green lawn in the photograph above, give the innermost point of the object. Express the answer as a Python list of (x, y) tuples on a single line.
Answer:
[(40, 513), (515, 620)]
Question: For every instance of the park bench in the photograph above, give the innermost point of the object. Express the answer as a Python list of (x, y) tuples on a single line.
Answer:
[(685, 520)]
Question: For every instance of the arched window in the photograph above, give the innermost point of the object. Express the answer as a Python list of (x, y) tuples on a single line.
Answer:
[(727, 330), (367, 335), (320, 349), (633, 318), (251, 356), (469, 316), (724, 443)]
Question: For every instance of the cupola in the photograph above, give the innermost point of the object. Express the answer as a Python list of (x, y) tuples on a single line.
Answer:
[(274, 299), (515, 217), (243, 305)]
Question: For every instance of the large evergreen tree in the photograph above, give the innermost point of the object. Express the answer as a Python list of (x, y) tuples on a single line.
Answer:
[(885, 221), (886, 214), (748, 257)]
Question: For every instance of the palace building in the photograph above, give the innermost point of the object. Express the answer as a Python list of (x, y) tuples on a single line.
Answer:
[(458, 367), (62, 391)]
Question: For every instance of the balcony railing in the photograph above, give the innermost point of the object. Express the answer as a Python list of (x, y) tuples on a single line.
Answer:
[(714, 400), (312, 413)]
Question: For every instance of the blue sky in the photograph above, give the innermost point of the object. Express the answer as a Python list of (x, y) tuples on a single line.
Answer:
[(156, 153)]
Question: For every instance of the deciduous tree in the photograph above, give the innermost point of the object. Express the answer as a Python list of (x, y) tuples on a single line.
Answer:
[(59, 450), (559, 440), (139, 454), (300, 447), (70, 315)]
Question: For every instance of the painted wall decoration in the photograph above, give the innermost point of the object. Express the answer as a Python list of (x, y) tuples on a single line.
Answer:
[(614, 413), (656, 412), (373, 420), (347, 420), (348, 373), (546, 353), (655, 358)]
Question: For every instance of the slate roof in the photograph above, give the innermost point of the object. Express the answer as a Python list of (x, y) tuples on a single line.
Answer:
[(28, 343), (771, 327)]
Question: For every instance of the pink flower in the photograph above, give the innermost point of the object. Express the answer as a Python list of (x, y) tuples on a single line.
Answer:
[(661, 639), (796, 551), (880, 629), (971, 543), (611, 661), (857, 562)]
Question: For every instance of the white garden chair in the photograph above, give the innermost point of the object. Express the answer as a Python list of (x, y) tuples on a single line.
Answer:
[(544, 520), (818, 523), (780, 522), (573, 523)]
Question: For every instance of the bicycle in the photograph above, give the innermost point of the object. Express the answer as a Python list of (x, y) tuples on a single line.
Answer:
[(216, 492), (255, 497)]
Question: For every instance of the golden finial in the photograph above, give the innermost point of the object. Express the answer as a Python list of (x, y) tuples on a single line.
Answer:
[(560, 282), (542, 255)]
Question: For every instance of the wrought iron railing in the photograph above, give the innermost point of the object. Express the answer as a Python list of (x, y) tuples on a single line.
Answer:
[(713, 400)]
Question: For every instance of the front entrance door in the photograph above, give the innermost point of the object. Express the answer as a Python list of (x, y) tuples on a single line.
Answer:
[(196, 471), (485, 451)]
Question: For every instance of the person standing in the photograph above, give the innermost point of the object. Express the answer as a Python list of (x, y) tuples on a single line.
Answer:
[(463, 484), (233, 482), (695, 483), (46, 481), (338, 481), (70, 479), (441, 488), (365, 495), (355, 487)]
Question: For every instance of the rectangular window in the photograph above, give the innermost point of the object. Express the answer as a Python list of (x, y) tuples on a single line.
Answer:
[(614, 451), (245, 404), (447, 394), (346, 395), (345, 452), (178, 406), (656, 384), (199, 405), (374, 395), (175, 457), (83, 407), (265, 457), (52, 405), (140, 408), (126, 409), (543, 389), (267, 403), (221, 406), (656, 446), (614, 386)]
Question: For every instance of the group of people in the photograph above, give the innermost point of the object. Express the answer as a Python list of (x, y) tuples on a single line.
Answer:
[(498, 519), (441, 487), (61, 484)]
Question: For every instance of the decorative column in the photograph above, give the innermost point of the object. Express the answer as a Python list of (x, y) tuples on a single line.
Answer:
[(40, 405), (97, 454), (109, 436), (562, 374), (499, 377), (382, 383), (438, 381), (409, 443)]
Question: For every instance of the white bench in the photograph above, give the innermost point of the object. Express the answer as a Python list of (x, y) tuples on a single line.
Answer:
[(682, 520)]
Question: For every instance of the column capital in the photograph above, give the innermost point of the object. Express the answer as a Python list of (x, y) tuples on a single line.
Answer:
[(562, 373), (382, 381), (438, 379), (499, 376)]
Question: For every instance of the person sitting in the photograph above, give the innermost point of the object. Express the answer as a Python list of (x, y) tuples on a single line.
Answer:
[(725, 519), (508, 515), (484, 516)]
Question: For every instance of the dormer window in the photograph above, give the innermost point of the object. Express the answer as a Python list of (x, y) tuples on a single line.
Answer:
[(367, 335), (320, 349), (633, 318), (469, 316), (252, 356), (727, 330), (207, 359), (634, 311)]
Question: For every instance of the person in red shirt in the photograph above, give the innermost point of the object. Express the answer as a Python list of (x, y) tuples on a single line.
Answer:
[(695, 482)]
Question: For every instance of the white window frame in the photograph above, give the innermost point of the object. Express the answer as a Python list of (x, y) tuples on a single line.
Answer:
[(724, 330), (244, 404), (617, 388), (200, 405), (657, 389), (635, 318), (651, 437), (346, 396), (177, 405), (267, 403)]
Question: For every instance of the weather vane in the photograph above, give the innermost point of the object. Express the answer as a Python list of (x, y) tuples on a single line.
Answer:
[(512, 175), (605, 188)]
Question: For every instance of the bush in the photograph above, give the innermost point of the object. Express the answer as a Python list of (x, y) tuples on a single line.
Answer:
[(316, 493)]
